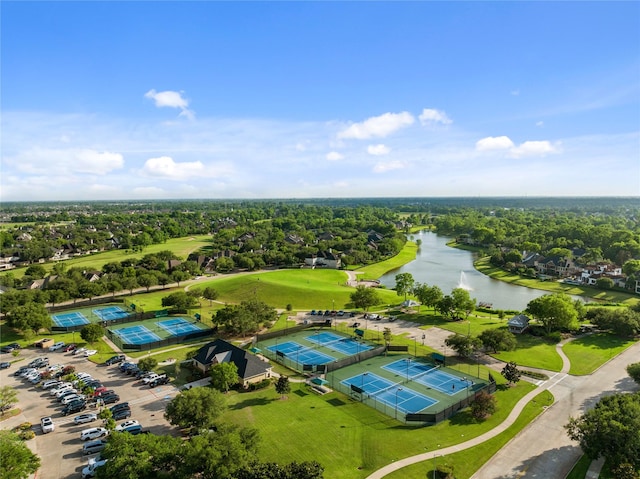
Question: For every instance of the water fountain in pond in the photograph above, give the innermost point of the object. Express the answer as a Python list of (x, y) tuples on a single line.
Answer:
[(463, 284)]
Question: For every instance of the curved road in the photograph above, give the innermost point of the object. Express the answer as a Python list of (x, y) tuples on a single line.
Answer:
[(543, 450)]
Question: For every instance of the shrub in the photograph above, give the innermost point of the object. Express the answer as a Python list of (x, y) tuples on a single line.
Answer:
[(553, 337), (25, 426), (26, 435), (261, 385)]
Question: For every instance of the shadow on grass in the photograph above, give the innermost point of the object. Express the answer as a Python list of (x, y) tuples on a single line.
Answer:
[(462, 418), (258, 401), (300, 393), (336, 402)]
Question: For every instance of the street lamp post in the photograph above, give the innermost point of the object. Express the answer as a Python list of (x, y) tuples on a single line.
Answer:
[(397, 391)]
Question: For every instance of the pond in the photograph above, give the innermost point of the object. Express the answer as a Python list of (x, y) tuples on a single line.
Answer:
[(449, 268)]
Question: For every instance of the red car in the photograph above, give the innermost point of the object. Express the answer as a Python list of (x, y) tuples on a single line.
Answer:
[(70, 347)]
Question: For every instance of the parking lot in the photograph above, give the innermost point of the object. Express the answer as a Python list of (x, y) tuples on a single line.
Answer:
[(61, 450)]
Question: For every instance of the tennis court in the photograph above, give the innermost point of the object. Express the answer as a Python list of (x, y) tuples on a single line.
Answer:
[(136, 335), (110, 313), (429, 375), (395, 395), (335, 342), (178, 326), (301, 355), (67, 320)]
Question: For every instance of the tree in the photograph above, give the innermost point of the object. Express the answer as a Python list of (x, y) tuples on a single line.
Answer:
[(92, 332), (31, 317), (610, 430), (179, 300), (148, 363), (224, 375), (498, 339), (386, 334), (465, 346), (511, 372), (17, 460), (129, 282), (282, 386), (147, 280), (198, 407), (404, 284), (427, 295), (364, 297), (554, 311), (634, 372), (35, 271), (605, 283), (107, 418), (8, 397), (210, 294), (483, 406), (179, 276), (462, 302), (445, 306)]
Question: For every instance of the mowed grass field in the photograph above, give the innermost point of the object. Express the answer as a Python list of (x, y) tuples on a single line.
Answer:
[(589, 352), (181, 247)]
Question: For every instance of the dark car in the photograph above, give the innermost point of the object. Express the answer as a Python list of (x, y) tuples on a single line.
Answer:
[(121, 414), (110, 398), (39, 363), (9, 348), (122, 405), (115, 359), (5, 365), (72, 408), (20, 370), (133, 371), (159, 381), (124, 366)]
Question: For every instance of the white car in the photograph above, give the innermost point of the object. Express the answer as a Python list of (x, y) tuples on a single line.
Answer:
[(94, 433), (85, 418), (33, 375), (55, 367), (150, 378), (90, 352), (56, 346), (83, 376), (127, 424), (59, 387), (66, 392), (79, 351), (90, 470), (71, 397), (47, 425), (49, 383)]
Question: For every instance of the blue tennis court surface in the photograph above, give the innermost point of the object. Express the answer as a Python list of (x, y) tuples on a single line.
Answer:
[(298, 353), (335, 342), (136, 335), (69, 319), (178, 326), (395, 395), (110, 313), (429, 375)]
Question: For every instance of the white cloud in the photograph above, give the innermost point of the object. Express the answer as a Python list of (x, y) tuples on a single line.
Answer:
[(148, 192), (334, 156), (431, 116), (494, 143), (534, 148), (39, 160), (377, 126), (391, 165), (540, 123), (378, 150), (165, 167), (515, 92), (170, 99)]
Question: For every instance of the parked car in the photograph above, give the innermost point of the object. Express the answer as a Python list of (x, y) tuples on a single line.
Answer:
[(90, 470), (121, 414), (85, 418), (126, 365), (46, 423), (93, 447), (65, 392), (117, 407), (150, 378), (110, 398), (20, 370), (56, 346), (39, 363), (126, 424), (164, 379), (49, 383), (79, 351), (104, 392), (93, 433), (73, 397), (70, 347), (73, 408), (6, 349), (133, 429), (5, 365), (89, 352), (115, 359)]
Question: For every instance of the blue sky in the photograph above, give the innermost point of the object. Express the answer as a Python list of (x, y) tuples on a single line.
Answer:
[(151, 100)]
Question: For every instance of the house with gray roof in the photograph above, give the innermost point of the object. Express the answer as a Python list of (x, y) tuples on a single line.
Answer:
[(251, 369), (518, 324)]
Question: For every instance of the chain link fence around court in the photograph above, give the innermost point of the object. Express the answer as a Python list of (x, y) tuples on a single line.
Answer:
[(170, 341)]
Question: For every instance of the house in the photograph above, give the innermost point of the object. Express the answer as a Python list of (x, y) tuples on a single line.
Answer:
[(518, 324), (294, 239), (250, 368), (324, 258)]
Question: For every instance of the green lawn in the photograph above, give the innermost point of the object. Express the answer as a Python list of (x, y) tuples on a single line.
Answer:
[(589, 352), (533, 352), (374, 271), (181, 247), (579, 471), (350, 439), (467, 462)]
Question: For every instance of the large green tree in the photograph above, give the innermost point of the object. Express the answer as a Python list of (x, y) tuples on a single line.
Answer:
[(463, 303), (224, 375), (404, 284), (634, 372), (464, 345), (430, 296), (610, 430), (92, 332), (198, 408), (364, 297), (555, 311), (498, 340), (31, 318), (16, 459)]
